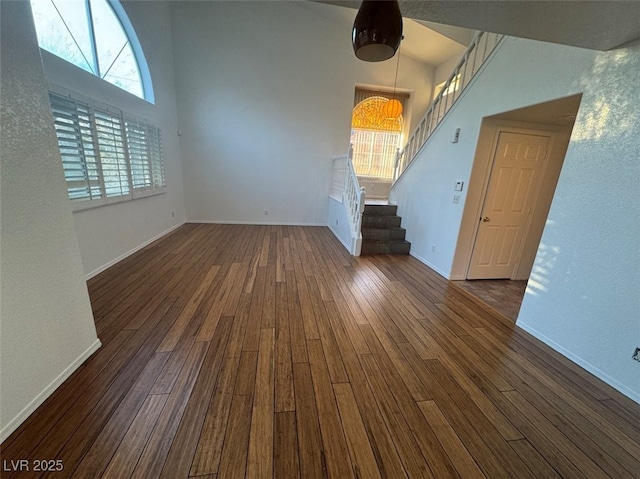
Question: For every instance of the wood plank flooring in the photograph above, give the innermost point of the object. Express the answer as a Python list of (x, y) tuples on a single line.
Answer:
[(267, 351), (501, 295)]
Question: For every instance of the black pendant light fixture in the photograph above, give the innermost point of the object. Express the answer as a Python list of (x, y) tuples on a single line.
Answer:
[(377, 30)]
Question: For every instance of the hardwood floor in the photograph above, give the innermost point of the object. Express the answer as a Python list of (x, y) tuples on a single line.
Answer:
[(258, 351), (501, 295)]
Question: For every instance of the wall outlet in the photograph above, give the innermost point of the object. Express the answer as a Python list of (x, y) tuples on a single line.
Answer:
[(433, 248), (636, 354), (173, 214), (266, 212)]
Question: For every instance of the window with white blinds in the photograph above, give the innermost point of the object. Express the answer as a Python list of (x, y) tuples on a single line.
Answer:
[(109, 133), (375, 138), (107, 155), (143, 143), (72, 120)]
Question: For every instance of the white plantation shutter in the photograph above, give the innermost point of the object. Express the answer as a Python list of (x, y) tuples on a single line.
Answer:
[(105, 157), (72, 120), (115, 168), (145, 155), (139, 154), (155, 150)]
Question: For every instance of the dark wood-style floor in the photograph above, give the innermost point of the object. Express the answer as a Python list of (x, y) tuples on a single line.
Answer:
[(257, 351), (501, 295)]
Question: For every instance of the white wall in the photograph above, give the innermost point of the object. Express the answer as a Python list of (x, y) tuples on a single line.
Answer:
[(339, 222), (46, 320), (443, 71), (583, 297), (109, 233), (265, 93)]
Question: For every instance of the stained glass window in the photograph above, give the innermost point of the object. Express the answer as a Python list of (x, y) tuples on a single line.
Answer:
[(375, 139)]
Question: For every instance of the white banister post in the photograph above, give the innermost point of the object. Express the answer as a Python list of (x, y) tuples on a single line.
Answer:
[(396, 173), (356, 246), (347, 176), (462, 74)]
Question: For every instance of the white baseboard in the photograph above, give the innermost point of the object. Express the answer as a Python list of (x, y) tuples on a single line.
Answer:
[(435, 268), (256, 223), (634, 395), (348, 247), (457, 278), (46, 392), (99, 270)]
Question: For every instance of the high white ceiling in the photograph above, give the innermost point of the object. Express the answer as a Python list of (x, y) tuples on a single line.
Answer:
[(593, 24), (428, 43)]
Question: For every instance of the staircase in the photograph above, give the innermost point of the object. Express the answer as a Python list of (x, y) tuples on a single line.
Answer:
[(375, 229), (381, 231)]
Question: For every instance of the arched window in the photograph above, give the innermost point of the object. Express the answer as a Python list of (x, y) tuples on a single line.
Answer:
[(375, 139), (97, 36)]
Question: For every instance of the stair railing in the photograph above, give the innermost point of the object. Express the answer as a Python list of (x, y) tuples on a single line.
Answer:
[(346, 186), (481, 47)]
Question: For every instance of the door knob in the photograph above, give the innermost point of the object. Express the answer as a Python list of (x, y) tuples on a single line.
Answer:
[(486, 219)]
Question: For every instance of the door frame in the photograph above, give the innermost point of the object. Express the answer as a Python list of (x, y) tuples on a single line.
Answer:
[(530, 205), (479, 182)]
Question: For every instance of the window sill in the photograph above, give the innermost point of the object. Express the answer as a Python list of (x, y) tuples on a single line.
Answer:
[(93, 204)]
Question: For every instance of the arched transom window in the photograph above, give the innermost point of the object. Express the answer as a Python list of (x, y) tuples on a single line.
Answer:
[(375, 139), (97, 36)]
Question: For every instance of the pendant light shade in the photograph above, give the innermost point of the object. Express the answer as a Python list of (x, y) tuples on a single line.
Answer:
[(392, 109), (377, 30)]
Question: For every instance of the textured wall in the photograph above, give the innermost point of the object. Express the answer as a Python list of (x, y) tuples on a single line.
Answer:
[(583, 297), (46, 320)]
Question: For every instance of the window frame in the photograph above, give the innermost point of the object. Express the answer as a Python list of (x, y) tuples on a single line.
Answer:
[(132, 38), (376, 137), (123, 116), (143, 66), (366, 141), (453, 87)]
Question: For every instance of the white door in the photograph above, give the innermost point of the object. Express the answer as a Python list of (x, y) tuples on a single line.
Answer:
[(518, 164)]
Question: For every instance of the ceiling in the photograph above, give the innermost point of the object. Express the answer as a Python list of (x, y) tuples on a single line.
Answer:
[(560, 112), (597, 25), (428, 43)]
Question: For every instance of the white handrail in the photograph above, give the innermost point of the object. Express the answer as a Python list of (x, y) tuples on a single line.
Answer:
[(479, 50), (346, 187)]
